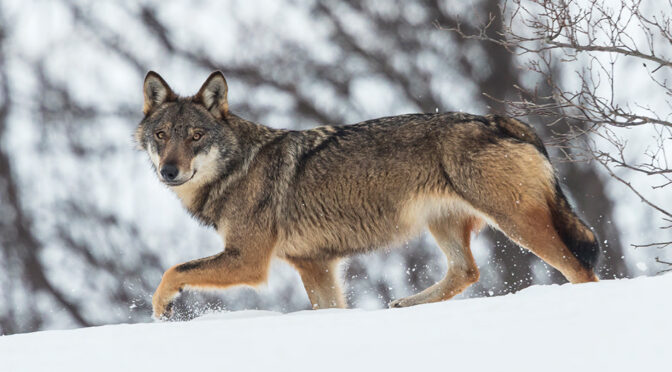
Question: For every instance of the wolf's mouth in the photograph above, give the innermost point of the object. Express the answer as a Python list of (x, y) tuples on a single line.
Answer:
[(178, 183)]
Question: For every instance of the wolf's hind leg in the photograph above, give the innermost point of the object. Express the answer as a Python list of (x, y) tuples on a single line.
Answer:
[(320, 278), (533, 229), (453, 237)]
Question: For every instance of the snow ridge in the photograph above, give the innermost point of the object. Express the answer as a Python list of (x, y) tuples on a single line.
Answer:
[(614, 325)]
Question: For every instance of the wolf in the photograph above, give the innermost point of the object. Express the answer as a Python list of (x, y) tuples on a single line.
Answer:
[(313, 197)]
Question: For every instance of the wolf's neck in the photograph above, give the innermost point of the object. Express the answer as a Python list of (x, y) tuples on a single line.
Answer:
[(251, 135), (196, 195)]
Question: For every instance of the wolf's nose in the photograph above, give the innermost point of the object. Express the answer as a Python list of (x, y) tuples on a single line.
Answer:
[(169, 172)]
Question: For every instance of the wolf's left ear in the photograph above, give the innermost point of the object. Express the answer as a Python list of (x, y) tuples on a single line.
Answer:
[(156, 92), (213, 95)]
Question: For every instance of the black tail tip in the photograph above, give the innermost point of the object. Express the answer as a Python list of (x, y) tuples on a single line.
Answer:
[(588, 253)]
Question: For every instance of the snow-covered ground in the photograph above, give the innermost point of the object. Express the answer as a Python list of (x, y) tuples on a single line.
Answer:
[(622, 325)]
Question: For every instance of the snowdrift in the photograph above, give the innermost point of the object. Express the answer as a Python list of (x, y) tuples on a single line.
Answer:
[(612, 325)]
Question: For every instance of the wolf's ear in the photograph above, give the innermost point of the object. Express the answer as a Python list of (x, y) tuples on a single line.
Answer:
[(156, 92), (213, 95)]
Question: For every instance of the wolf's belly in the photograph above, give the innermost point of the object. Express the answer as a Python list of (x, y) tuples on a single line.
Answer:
[(331, 237)]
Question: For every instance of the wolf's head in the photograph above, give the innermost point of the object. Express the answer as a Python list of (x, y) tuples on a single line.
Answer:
[(186, 138)]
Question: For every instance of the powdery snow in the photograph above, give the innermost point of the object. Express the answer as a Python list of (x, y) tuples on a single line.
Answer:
[(612, 325)]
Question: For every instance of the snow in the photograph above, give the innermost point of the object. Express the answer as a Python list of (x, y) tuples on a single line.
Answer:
[(612, 325)]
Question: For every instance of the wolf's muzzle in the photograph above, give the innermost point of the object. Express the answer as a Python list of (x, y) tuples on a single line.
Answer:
[(169, 172)]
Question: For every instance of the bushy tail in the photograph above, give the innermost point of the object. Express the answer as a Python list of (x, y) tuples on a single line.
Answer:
[(575, 234)]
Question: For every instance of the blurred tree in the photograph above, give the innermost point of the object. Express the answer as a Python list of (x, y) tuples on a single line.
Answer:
[(583, 59), (514, 264)]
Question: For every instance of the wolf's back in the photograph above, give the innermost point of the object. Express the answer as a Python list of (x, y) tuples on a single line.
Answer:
[(518, 130)]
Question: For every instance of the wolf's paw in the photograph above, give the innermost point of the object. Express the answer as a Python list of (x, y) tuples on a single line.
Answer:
[(165, 314), (408, 301), (163, 305), (402, 302), (165, 294)]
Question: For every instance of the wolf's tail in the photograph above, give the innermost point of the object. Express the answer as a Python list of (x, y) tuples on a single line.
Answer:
[(575, 234)]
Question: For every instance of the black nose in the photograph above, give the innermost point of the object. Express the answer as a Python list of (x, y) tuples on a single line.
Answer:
[(169, 172)]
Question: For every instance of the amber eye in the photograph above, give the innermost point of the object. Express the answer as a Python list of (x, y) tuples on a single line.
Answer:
[(197, 136), (161, 135)]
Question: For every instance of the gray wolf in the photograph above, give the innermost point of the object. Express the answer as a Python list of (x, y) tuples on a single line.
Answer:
[(313, 197)]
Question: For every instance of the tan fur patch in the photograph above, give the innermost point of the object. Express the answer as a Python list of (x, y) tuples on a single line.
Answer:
[(154, 156), (205, 168)]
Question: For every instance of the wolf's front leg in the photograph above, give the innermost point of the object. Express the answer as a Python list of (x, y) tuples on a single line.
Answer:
[(239, 264), (320, 278)]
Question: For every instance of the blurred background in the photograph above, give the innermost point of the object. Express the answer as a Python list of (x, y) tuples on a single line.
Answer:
[(86, 229)]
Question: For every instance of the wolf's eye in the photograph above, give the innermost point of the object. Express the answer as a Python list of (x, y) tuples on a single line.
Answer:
[(161, 135), (197, 136)]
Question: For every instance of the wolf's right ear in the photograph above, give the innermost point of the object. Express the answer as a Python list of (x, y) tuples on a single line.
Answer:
[(213, 95), (156, 92)]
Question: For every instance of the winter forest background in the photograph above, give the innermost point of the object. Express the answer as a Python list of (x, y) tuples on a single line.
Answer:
[(86, 229)]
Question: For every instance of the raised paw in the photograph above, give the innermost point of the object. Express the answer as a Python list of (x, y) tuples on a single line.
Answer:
[(162, 307), (165, 314), (162, 303), (167, 291)]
